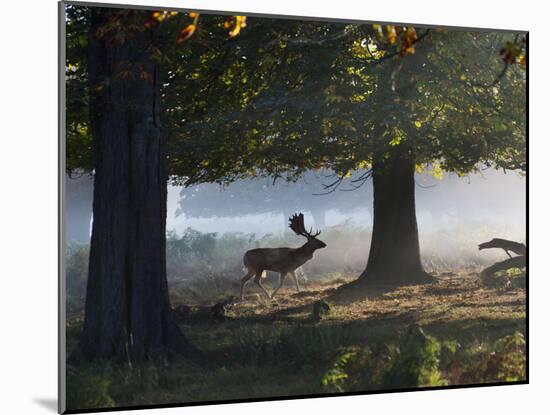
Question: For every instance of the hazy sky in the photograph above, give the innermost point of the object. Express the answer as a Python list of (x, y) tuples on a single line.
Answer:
[(489, 198)]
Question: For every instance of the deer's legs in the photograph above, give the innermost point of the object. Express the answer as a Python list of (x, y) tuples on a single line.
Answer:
[(301, 274), (258, 280), (293, 275), (282, 277), (244, 280)]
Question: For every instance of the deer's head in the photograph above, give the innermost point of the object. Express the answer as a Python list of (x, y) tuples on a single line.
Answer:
[(297, 225)]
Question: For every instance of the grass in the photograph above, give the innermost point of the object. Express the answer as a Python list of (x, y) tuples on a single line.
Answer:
[(456, 331)]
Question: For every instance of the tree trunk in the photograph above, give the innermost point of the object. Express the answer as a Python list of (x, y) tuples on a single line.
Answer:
[(394, 256), (128, 315)]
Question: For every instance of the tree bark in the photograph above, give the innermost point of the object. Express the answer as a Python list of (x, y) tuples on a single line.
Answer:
[(394, 257), (127, 315)]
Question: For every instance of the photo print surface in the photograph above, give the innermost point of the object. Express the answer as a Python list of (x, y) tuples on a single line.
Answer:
[(273, 207)]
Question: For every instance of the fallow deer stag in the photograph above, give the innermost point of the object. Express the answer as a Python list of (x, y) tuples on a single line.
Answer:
[(282, 260)]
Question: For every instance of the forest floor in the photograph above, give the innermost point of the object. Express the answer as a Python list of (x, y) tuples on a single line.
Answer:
[(454, 331), (453, 297)]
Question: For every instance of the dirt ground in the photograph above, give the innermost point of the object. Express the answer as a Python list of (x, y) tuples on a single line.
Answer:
[(452, 297), (258, 346)]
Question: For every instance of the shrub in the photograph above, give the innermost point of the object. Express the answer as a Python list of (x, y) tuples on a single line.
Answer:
[(298, 346), (416, 363), (89, 388), (410, 361), (76, 265), (505, 361)]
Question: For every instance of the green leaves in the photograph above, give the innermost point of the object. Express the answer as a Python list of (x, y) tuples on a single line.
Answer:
[(335, 377), (333, 97)]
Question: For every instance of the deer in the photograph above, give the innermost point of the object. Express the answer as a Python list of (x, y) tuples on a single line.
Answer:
[(285, 261)]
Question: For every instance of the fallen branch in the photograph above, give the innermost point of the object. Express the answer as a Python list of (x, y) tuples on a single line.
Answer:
[(515, 262), (508, 246)]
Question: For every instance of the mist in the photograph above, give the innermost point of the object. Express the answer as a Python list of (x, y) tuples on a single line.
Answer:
[(488, 204), (493, 198), (454, 215)]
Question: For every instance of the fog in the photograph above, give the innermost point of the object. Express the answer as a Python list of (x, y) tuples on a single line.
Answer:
[(454, 215), (492, 198)]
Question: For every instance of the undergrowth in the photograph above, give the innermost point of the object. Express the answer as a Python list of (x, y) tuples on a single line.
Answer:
[(260, 361)]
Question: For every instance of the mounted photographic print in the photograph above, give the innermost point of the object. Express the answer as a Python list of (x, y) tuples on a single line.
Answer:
[(259, 207)]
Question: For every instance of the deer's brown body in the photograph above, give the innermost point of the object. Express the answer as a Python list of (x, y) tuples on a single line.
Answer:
[(282, 260)]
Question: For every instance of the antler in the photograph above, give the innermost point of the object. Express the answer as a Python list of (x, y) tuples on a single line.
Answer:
[(297, 225)]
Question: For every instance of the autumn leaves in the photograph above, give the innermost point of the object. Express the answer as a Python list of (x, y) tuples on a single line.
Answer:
[(234, 24)]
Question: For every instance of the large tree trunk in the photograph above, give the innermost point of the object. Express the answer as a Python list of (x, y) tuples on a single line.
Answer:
[(394, 256), (128, 315)]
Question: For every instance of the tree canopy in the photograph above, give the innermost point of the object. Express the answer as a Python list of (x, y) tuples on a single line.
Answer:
[(336, 100), (286, 96)]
